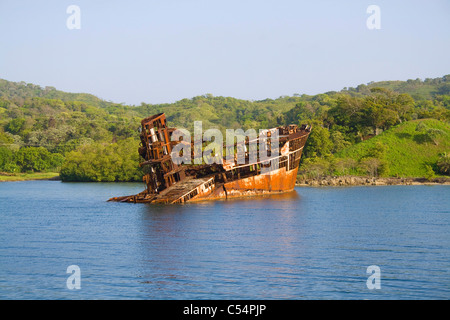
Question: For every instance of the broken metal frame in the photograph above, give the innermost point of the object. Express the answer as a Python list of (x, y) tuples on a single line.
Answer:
[(168, 182)]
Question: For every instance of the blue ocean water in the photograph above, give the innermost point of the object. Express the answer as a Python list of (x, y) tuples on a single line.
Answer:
[(313, 243)]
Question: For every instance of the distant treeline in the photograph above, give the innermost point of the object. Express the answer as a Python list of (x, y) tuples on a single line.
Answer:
[(89, 139)]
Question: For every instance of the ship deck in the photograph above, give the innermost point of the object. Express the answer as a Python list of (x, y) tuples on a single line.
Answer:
[(177, 193), (181, 191)]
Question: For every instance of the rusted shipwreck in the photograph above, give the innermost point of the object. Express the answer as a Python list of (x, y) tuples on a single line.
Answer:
[(168, 182)]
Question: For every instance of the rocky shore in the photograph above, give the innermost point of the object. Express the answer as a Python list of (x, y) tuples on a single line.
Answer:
[(367, 181)]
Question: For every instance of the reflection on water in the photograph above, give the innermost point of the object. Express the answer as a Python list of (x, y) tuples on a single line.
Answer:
[(229, 238), (312, 243)]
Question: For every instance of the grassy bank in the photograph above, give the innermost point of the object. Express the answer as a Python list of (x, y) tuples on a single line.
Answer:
[(29, 176), (407, 150)]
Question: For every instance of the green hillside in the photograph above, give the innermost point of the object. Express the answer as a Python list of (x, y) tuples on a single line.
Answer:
[(407, 149), (417, 88), (20, 91)]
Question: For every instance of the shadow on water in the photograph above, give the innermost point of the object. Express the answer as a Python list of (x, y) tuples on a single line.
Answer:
[(161, 209)]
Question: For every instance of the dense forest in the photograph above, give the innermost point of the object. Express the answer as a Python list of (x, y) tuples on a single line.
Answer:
[(88, 139)]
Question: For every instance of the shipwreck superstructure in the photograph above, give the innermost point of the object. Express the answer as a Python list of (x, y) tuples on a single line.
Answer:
[(169, 182)]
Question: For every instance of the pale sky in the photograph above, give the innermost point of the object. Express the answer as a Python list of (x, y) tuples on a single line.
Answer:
[(164, 51)]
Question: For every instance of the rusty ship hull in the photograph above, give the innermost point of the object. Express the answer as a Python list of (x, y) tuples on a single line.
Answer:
[(170, 183)]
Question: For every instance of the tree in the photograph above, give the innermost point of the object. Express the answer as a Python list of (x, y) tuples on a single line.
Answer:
[(429, 172), (434, 135), (301, 112), (374, 162), (371, 166), (338, 141), (345, 166), (377, 116), (318, 143), (15, 125), (346, 112), (385, 108), (404, 106), (103, 162), (37, 159), (314, 168), (429, 134), (7, 160), (443, 163)]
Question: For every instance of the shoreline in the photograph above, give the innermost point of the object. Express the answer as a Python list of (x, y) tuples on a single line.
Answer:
[(337, 181), (329, 181), (5, 177)]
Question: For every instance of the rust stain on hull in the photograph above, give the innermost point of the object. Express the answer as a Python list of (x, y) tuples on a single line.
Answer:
[(168, 182)]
